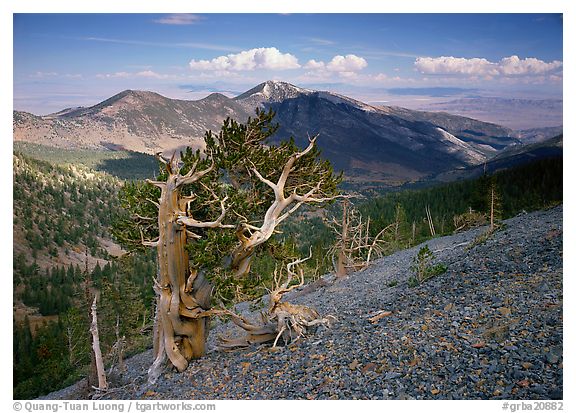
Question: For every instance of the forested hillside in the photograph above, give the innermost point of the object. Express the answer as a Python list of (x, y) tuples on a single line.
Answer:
[(452, 206), (533, 186), (62, 250), (116, 162), (60, 210)]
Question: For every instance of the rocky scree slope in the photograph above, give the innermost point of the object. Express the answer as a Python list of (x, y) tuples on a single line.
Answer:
[(488, 328)]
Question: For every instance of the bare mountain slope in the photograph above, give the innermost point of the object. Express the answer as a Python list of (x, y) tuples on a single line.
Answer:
[(134, 120), (388, 145), (490, 327), (512, 156)]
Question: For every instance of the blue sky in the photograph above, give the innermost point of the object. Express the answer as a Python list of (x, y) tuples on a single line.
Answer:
[(63, 60)]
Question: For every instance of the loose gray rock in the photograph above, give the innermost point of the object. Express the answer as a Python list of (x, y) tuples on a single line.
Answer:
[(465, 334)]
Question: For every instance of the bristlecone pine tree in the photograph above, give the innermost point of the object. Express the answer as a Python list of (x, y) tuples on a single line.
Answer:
[(206, 213), (269, 182)]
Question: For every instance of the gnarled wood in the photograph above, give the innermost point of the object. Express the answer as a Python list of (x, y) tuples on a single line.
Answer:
[(282, 207), (183, 295), (282, 320), (354, 247)]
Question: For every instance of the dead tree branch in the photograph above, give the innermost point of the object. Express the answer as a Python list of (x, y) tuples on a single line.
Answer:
[(100, 371), (282, 320), (281, 208), (354, 248)]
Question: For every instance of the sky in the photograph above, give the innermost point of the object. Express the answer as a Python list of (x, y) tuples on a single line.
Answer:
[(67, 60)]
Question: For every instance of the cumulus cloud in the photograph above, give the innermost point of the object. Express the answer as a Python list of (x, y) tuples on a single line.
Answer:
[(179, 19), (314, 65), (480, 67), (348, 63), (513, 65), (260, 58), (340, 67), (448, 65)]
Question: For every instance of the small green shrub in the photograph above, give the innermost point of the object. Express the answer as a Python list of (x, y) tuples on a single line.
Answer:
[(484, 236), (423, 268), (413, 282)]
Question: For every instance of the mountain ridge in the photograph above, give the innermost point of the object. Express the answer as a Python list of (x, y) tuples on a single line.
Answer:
[(389, 145)]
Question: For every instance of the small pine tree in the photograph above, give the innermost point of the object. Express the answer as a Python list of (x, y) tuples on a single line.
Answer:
[(494, 204), (423, 268)]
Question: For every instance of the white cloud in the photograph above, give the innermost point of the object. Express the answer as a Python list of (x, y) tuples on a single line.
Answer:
[(348, 63), (380, 77), (314, 65), (151, 74), (320, 42), (179, 19), (448, 65), (130, 75), (73, 76), (260, 58), (339, 68), (44, 75), (480, 67), (513, 65), (122, 75), (41, 75)]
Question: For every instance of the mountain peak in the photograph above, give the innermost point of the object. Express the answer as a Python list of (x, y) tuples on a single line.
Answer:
[(138, 94), (215, 97), (272, 91), (272, 87)]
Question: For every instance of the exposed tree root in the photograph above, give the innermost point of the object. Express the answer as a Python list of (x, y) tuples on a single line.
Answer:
[(282, 321)]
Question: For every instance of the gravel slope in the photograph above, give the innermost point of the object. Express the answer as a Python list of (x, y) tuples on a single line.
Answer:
[(488, 328)]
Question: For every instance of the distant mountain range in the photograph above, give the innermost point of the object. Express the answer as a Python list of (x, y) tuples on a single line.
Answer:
[(134, 120), (516, 113), (389, 145)]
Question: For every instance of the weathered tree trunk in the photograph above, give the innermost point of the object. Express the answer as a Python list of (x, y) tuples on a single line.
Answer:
[(182, 336), (92, 377), (430, 222), (70, 346), (120, 346), (180, 327), (492, 208), (242, 254), (102, 384), (342, 263)]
